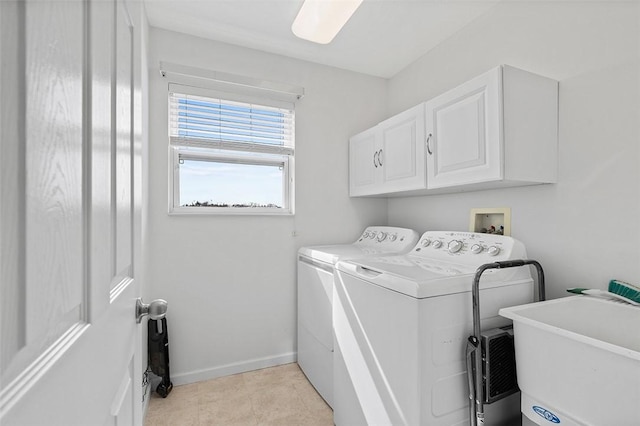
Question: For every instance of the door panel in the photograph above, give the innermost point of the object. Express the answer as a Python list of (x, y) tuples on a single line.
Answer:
[(403, 151), (68, 343), (44, 215), (122, 407), (11, 170), (464, 127), (53, 187), (122, 152), (102, 128), (399, 152), (468, 142), (363, 162)]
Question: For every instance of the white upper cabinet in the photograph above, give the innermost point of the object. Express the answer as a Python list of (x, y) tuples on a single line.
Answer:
[(498, 129), (390, 156)]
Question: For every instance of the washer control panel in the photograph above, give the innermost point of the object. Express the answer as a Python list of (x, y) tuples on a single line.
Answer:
[(467, 247), (388, 238)]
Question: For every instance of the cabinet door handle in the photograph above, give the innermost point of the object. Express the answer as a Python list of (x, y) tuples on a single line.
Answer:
[(380, 158), (375, 162), (429, 144)]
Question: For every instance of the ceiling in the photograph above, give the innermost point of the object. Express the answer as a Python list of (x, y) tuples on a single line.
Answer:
[(381, 38)]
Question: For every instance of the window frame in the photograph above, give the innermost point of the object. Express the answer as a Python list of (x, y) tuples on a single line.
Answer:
[(198, 151)]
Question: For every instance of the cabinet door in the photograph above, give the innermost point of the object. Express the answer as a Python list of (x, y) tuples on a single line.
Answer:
[(402, 151), (364, 163), (464, 133)]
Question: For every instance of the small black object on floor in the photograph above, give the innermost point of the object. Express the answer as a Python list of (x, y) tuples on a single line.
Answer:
[(158, 346)]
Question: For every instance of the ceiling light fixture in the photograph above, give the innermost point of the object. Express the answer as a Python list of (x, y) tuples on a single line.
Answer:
[(320, 20)]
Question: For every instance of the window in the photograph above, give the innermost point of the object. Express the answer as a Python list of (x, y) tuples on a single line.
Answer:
[(229, 153)]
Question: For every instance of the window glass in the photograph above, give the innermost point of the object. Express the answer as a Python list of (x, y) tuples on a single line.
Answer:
[(224, 184)]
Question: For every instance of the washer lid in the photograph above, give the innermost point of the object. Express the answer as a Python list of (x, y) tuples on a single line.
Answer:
[(421, 278), (333, 253)]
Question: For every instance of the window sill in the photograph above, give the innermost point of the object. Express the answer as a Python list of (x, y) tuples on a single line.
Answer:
[(217, 211)]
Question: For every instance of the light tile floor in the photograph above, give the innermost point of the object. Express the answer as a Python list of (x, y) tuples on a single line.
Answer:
[(279, 396)]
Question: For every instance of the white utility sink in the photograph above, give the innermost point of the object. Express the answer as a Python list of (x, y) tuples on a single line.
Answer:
[(578, 361)]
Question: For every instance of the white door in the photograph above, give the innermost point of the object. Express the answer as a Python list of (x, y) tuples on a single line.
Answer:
[(464, 133), (364, 163), (402, 151), (69, 337)]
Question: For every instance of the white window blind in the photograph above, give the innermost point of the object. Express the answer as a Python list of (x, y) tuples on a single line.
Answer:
[(211, 122)]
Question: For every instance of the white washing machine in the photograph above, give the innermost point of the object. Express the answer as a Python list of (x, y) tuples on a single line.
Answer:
[(315, 293), (401, 325)]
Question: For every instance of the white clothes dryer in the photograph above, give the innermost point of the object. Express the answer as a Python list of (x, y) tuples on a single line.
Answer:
[(401, 325), (315, 295)]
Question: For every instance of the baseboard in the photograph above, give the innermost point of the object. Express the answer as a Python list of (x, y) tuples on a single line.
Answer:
[(235, 368)]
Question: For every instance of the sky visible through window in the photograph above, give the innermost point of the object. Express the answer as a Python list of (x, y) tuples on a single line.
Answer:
[(230, 184)]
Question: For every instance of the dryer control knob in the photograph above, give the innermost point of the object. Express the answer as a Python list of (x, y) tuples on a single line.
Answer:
[(393, 237), (382, 236), (454, 246), (476, 248), (437, 244), (372, 234), (365, 235), (425, 242), (493, 251)]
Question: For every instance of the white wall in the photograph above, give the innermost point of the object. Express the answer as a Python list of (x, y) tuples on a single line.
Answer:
[(231, 281), (584, 230)]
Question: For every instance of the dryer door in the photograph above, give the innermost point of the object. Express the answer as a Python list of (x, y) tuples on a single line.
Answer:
[(315, 328)]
